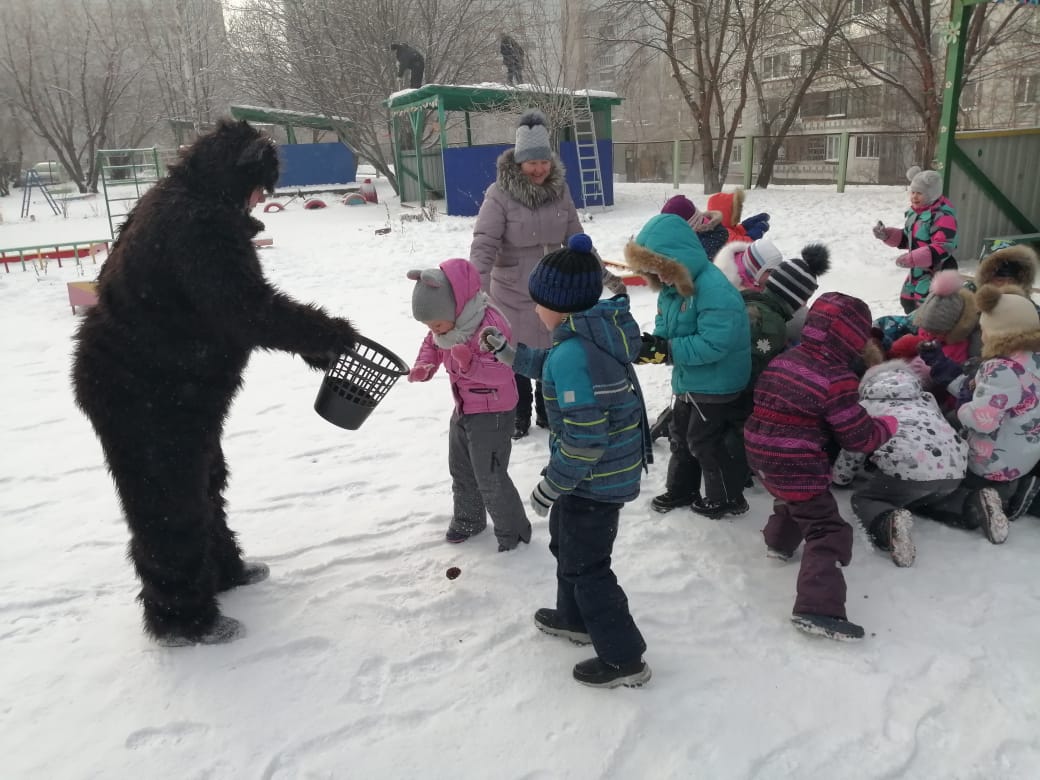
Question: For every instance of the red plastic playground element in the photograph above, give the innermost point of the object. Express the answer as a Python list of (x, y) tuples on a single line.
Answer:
[(368, 191), (273, 207), (314, 203)]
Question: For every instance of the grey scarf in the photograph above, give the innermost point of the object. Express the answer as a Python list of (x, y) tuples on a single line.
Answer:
[(469, 318)]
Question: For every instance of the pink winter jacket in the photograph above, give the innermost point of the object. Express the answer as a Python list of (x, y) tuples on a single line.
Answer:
[(518, 224), (487, 385)]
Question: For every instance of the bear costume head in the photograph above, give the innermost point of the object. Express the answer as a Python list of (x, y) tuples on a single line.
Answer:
[(229, 162)]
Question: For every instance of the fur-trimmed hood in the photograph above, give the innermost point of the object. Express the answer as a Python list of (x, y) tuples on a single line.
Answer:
[(729, 204), (1006, 346), (512, 181), (667, 245), (726, 260), (1021, 259), (890, 381)]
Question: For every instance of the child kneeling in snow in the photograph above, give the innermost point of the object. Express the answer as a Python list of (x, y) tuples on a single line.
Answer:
[(805, 400), (922, 464), (448, 300), (1002, 419), (599, 445)]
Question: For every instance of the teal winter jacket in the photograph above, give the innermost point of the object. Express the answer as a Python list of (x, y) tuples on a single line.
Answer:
[(700, 313)]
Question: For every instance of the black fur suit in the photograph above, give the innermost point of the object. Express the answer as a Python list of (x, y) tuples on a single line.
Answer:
[(182, 303)]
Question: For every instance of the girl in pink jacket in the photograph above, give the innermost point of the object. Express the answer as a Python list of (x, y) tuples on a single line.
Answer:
[(448, 300)]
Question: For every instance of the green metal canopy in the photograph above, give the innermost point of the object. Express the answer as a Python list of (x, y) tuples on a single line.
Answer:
[(475, 98), (290, 119)]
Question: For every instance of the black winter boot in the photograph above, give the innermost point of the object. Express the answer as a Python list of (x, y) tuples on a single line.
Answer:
[(522, 428), (599, 674), (717, 503), (548, 622), (668, 501), (828, 626)]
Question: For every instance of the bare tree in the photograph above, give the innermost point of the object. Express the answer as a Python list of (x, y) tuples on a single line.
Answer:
[(810, 27), (333, 58), (68, 94), (907, 51), (189, 63), (710, 46)]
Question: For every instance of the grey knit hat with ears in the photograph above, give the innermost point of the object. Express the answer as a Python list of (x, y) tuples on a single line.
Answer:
[(532, 138), (928, 183), (432, 297)]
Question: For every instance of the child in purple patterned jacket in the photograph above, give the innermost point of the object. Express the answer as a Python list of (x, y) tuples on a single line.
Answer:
[(448, 300)]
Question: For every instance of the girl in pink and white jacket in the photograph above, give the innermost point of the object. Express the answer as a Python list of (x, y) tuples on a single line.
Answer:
[(1001, 422), (448, 300)]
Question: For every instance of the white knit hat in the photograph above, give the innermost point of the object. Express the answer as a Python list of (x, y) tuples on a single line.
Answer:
[(928, 183)]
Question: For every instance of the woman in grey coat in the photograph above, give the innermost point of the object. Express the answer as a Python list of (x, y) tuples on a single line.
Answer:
[(527, 213)]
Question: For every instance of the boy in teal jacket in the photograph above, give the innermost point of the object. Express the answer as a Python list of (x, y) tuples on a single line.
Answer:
[(702, 331), (599, 446)]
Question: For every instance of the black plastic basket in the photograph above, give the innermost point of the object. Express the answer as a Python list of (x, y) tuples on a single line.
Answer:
[(356, 383)]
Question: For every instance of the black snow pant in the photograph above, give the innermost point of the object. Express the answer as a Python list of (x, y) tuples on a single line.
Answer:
[(708, 438), (581, 539), (526, 397)]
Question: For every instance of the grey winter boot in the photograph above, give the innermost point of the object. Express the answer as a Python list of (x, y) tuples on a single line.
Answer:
[(891, 531), (987, 510)]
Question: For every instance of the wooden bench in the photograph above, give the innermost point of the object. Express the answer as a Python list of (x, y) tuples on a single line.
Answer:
[(82, 294)]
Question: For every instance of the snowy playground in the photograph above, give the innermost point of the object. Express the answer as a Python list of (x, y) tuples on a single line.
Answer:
[(363, 660)]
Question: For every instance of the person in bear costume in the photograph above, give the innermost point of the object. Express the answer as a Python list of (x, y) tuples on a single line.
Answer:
[(182, 303)]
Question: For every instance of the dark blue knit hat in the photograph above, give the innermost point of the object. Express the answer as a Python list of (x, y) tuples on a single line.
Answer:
[(568, 280)]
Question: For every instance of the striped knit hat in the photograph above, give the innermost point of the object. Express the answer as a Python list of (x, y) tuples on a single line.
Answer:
[(794, 281), (760, 256)]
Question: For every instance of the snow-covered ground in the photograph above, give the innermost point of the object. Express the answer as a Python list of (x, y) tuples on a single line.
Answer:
[(362, 660)]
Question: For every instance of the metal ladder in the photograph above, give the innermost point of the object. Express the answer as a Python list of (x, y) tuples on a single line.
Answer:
[(32, 179), (587, 149)]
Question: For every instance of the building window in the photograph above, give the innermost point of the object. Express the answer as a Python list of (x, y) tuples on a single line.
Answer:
[(833, 147), (857, 7), (868, 146), (1027, 89), (808, 55), (865, 101), (775, 66), (837, 103), (736, 155), (816, 148)]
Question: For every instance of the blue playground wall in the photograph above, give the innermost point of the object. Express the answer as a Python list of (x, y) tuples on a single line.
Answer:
[(469, 170), (302, 164)]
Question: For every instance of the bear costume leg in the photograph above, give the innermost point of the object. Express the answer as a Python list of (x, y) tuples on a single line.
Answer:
[(165, 475)]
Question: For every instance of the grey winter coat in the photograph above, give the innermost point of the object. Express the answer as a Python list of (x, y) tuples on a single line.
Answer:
[(518, 224), (924, 448)]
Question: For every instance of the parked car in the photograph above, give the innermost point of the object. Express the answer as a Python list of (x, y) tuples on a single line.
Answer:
[(49, 172)]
